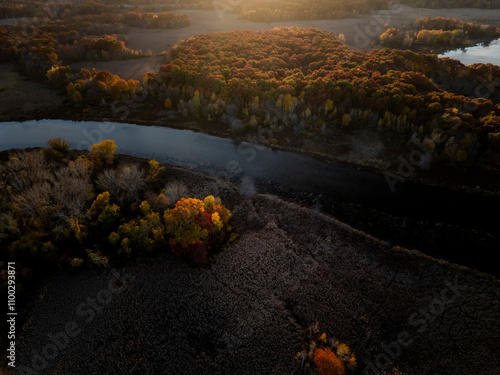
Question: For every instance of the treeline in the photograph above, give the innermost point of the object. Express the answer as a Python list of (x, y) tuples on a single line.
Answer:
[(37, 50), (163, 20), (38, 46), (53, 8), (96, 13), (92, 87), (480, 4), (30, 8), (291, 10), (438, 32), (307, 80)]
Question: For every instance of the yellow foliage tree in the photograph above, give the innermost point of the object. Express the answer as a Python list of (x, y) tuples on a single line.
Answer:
[(104, 151), (77, 97)]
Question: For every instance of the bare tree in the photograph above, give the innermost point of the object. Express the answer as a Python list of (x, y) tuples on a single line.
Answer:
[(25, 169), (174, 191), (124, 184), (72, 189), (35, 202)]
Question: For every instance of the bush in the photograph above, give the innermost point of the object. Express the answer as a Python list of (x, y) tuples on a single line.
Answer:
[(197, 228), (329, 357), (327, 362), (76, 262)]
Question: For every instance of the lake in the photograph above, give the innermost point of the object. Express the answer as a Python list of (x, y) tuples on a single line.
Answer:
[(483, 54)]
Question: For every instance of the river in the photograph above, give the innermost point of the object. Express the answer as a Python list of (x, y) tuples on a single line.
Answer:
[(293, 176)]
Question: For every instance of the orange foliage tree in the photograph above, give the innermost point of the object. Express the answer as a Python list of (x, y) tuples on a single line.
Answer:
[(327, 362), (197, 228)]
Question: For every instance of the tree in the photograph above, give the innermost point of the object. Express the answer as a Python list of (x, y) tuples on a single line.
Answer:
[(124, 184), (195, 227), (72, 188), (103, 152), (56, 150), (77, 97), (346, 119), (155, 175), (327, 362)]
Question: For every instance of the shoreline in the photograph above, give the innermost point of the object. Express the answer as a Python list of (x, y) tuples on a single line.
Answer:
[(452, 183)]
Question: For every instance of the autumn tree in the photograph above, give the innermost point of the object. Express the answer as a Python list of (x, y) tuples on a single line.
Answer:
[(103, 152), (197, 228)]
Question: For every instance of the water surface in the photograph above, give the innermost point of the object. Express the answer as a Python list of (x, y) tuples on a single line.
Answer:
[(483, 54)]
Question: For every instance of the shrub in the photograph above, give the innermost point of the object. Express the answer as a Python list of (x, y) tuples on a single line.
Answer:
[(76, 262), (327, 356), (327, 362)]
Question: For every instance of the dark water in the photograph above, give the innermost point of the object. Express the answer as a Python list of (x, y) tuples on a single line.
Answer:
[(334, 189), (483, 54)]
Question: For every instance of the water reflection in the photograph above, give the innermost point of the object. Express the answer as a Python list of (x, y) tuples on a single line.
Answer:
[(484, 54)]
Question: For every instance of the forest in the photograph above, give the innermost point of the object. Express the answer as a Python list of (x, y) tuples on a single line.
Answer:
[(484, 4), (259, 10), (78, 33), (428, 34), (287, 10), (307, 80), (71, 212)]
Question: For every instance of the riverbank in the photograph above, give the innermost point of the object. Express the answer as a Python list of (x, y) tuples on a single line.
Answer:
[(363, 148), (445, 223)]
